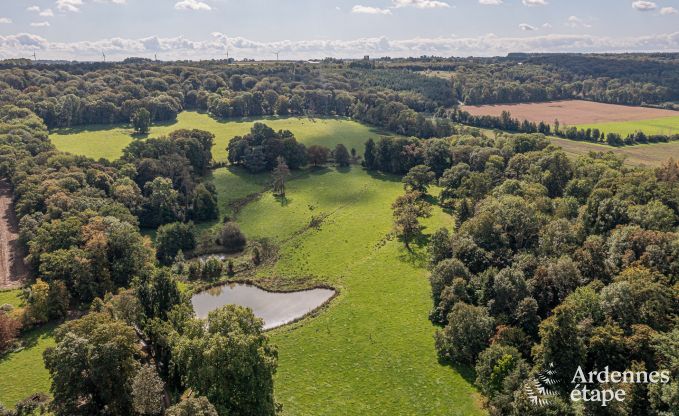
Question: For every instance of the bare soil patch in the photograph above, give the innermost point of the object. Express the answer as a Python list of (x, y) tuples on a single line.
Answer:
[(572, 112), (13, 269)]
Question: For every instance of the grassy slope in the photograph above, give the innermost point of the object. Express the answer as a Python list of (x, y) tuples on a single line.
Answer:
[(664, 125), (109, 141), (23, 373), (372, 350)]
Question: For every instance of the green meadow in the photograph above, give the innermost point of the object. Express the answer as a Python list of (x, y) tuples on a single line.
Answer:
[(372, 350), (664, 125), (106, 141)]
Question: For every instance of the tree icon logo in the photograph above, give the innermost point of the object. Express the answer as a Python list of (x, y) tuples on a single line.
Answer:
[(539, 389)]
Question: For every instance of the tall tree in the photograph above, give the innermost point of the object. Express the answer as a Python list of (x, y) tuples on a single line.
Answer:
[(141, 121), (279, 176), (230, 361)]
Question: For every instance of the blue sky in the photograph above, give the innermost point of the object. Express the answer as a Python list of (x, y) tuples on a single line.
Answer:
[(200, 29)]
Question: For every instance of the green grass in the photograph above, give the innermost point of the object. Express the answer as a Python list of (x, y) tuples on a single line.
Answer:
[(108, 141), (12, 297), (372, 351), (23, 373), (643, 154), (663, 125)]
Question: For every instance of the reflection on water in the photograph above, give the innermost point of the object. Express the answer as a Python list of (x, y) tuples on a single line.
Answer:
[(274, 308)]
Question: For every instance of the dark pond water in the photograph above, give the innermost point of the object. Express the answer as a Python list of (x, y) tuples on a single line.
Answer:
[(275, 309)]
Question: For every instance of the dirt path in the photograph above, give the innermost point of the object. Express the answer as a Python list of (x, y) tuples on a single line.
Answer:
[(13, 270)]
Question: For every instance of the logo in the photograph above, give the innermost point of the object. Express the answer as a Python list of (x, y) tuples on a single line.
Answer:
[(601, 387), (539, 388)]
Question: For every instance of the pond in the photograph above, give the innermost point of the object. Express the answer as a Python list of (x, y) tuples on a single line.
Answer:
[(275, 309)]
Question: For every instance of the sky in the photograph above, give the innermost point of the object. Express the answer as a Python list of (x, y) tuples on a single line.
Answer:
[(307, 29)]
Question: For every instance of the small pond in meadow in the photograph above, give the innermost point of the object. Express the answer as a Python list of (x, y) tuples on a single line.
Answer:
[(275, 308)]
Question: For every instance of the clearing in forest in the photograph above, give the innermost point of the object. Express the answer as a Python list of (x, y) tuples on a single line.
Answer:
[(108, 141), (371, 351), (573, 112), (13, 270)]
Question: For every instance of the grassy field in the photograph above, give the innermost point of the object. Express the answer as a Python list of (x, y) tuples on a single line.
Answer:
[(10, 297), (664, 125), (108, 141), (372, 351), (645, 154), (23, 372)]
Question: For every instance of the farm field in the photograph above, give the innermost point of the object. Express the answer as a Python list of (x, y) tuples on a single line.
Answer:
[(578, 112), (372, 350), (106, 141), (644, 154), (664, 125)]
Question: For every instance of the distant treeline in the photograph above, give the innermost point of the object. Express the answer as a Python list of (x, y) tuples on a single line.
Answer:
[(67, 95), (507, 123), (632, 79)]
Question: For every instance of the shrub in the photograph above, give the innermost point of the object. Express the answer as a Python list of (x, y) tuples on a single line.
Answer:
[(9, 330), (231, 238)]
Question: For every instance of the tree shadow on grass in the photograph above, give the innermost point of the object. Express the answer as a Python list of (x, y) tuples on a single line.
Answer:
[(381, 176), (283, 200), (30, 338), (467, 372), (418, 254)]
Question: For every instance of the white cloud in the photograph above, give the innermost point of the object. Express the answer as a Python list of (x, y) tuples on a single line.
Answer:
[(369, 10), (40, 24), (547, 25), (668, 10), (23, 44), (534, 2), (644, 6), (527, 27), (490, 2), (574, 21), (69, 5), (43, 13), (5, 20), (192, 5), (420, 4)]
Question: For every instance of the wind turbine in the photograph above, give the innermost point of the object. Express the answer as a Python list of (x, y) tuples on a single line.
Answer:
[(35, 58), (104, 55), (276, 55), (155, 56)]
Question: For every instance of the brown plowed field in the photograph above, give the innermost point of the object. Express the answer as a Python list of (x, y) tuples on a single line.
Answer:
[(13, 270), (572, 112)]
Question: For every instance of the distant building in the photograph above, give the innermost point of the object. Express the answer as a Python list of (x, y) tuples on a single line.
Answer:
[(366, 57)]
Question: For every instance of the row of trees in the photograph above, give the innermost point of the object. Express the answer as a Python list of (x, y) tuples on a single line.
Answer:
[(554, 262), (264, 149), (507, 123)]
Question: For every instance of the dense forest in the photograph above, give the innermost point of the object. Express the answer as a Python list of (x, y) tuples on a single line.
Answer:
[(137, 345), (396, 94), (554, 264), (632, 79)]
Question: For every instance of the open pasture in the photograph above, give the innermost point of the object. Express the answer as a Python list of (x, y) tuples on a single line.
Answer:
[(574, 112), (372, 350), (108, 141)]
